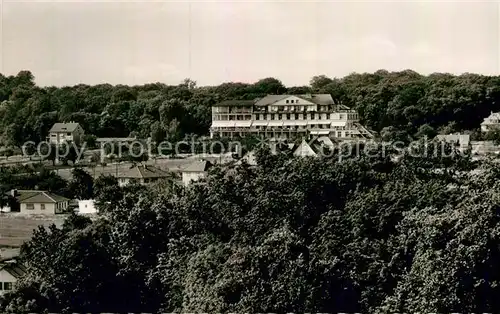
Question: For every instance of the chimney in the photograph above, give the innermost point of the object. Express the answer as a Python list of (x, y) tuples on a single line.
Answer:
[(13, 192)]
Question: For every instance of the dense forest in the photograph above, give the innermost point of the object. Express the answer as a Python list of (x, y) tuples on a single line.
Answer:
[(289, 235), (394, 104)]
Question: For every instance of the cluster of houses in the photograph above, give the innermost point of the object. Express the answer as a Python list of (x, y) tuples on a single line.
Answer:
[(36, 202)]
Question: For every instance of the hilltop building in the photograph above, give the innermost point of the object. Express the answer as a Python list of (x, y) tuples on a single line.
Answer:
[(286, 116), (61, 133)]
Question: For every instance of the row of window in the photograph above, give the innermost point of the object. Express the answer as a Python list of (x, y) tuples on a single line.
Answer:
[(60, 205), (296, 116), (6, 286), (281, 116), (292, 108), (55, 135), (32, 206), (309, 126), (334, 133)]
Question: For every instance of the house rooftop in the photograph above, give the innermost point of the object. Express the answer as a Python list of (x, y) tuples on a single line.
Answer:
[(144, 172), (317, 147), (37, 196), (237, 103), (320, 99), (63, 127), (13, 267), (115, 139), (198, 166)]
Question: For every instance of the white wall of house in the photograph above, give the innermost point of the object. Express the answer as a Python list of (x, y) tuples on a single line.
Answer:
[(295, 102), (43, 208), (61, 137), (38, 208), (188, 177), (124, 181), (6, 277), (86, 207)]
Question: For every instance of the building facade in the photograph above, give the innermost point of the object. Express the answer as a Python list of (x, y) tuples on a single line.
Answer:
[(492, 122), (86, 207), (195, 171), (37, 202), (286, 116), (65, 133)]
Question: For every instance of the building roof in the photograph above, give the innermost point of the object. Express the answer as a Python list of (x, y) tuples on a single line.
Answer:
[(115, 139), (490, 119), (144, 172), (13, 267), (198, 166), (303, 150), (241, 103), (63, 127), (317, 147), (270, 99), (36, 196), (320, 99)]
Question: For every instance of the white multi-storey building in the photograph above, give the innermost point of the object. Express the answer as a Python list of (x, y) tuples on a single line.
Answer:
[(286, 116)]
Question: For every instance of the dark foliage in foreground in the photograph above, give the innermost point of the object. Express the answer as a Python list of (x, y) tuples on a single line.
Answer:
[(291, 235)]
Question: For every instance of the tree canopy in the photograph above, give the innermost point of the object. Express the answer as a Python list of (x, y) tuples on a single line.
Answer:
[(364, 234), (404, 100)]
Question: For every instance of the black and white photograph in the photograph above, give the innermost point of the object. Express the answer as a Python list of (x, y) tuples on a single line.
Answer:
[(249, 156)]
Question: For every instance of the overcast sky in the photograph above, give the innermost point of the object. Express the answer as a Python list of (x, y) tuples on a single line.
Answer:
[(124, 42)]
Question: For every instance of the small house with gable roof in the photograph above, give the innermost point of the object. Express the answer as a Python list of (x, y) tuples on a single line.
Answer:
[(65, 132), (195, 171), (142, 174), (37, 202), (11, 269)]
